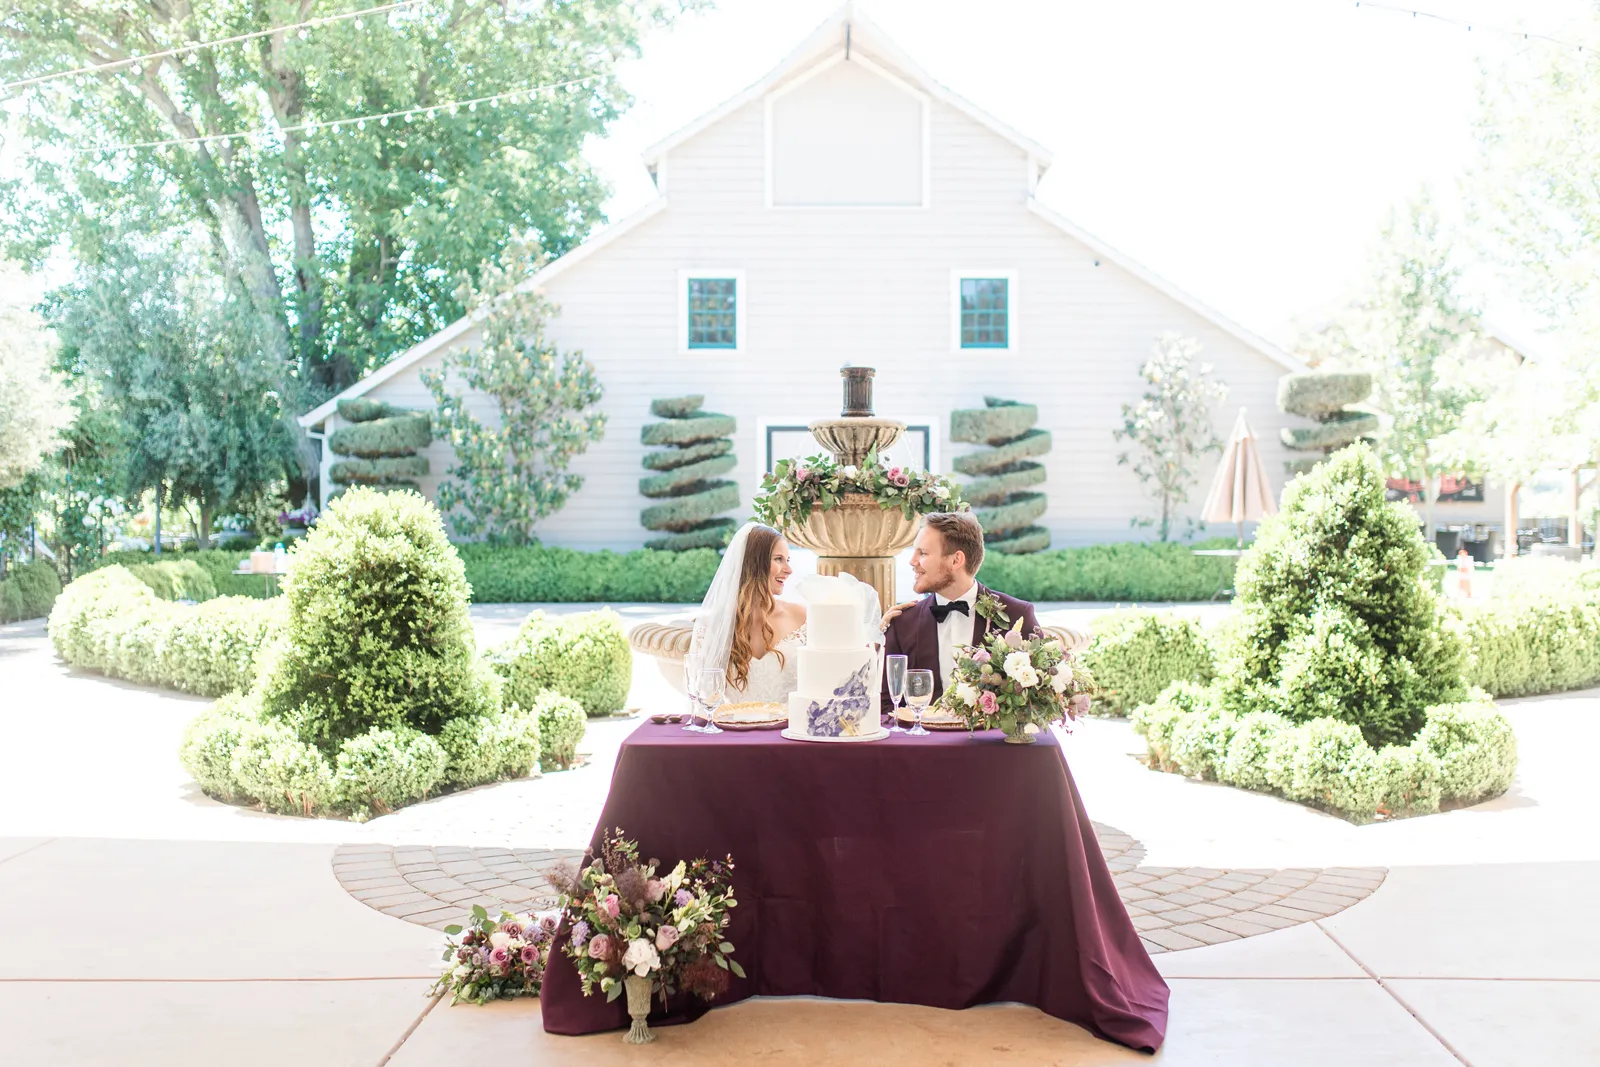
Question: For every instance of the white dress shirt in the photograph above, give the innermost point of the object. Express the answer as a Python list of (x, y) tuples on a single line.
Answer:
[(957, 629)]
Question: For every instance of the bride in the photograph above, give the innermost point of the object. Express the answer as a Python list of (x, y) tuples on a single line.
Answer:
[(743, 627)]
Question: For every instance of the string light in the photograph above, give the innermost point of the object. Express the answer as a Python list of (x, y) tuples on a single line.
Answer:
[(1506, 30), (359, 121), (135, 62)]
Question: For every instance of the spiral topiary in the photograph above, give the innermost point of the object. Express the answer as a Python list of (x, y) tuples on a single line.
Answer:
[(1005, 471), (1323, 396), (696, 450), (383, 442)]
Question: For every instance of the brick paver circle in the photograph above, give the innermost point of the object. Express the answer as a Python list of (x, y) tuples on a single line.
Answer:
[(1172, 907)]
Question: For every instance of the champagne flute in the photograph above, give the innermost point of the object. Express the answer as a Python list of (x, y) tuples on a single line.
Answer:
[(895, 675), (690, 677), (709, 691), (919, 694)]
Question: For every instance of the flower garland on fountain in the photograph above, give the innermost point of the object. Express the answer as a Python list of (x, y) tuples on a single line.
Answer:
[(636, 932), (1011, 682), (796, 487)]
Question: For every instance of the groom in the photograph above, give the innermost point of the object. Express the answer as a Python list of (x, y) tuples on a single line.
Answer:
[(945, 556)]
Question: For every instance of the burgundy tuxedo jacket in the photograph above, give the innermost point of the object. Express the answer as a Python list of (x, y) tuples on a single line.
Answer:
[(915, 635)]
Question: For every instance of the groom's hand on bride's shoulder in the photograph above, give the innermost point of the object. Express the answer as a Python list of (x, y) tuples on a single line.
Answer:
[(894, 612)]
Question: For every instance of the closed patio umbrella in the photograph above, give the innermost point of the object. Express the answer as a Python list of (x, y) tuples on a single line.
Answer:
[(1240, 492)]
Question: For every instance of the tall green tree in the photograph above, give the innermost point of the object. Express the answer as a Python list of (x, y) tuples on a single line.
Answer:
[(35, 404), (177, 362), (1170, 427), (1412, 327), (343, 242), (509, 475)]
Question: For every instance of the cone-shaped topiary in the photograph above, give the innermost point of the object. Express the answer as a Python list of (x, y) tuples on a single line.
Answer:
[(384, 441), (1322, 396), (1335, 618), (999, 495), (695, 453), (378, 634)]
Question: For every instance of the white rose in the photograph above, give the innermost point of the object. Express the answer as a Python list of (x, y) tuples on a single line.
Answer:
[(967, 693), (1060, 680), (641, 957), (849, 470), (500, 939), (942, 492), (1028, 678), (1017, 662)]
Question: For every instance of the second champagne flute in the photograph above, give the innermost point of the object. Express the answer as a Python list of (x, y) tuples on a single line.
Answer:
[(894, 672), (919, 694), (691, 677)]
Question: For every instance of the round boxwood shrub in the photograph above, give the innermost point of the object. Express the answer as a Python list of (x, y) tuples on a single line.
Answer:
[(1250, 750), (1330, 765), (378, 633), (386, 769), (286, 775), (1134, 655), (1158, 721), (1335, 618), (1408, 779), (562, 724), (28, 591), (491, 748), (1475, 748), (210, 740), (585, 657)]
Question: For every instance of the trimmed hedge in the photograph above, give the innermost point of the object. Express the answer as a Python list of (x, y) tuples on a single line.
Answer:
[(111, 622), (1465, 752), (562, 724), (540, 575), (1133, 571), (218, 563), (673, 458), (388, 470), (176, 579), (585, 657), (1521, 647), (1134, 655), (397, 435), (1003, 484), (28, 591), (684, 513), (667, 483), (365, 409)]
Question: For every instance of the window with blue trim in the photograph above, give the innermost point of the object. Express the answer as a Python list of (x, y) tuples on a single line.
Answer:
[(985, 312), (713, 313)]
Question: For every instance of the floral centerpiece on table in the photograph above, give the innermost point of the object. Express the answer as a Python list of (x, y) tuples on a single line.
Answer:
[(1010, 682), (795, 487), (497, 958), (636, 931)]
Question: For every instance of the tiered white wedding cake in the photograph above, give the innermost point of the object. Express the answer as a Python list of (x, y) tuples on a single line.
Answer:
[(836, 694)]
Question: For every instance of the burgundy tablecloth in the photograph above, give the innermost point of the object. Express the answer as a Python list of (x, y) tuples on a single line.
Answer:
[(948, 870)]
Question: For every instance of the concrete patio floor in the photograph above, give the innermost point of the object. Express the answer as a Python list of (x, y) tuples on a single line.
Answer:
[(147, 924)]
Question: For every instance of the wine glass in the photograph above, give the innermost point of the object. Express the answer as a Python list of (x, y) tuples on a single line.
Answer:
[(919, 694), (895, 675), (709, 690), (690, 677)]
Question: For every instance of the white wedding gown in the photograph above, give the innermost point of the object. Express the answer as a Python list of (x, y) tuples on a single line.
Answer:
[(769, 680)]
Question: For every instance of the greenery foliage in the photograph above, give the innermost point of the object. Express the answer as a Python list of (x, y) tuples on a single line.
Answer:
[(218, 563), (1134, 655), (585, 657), (385, 769), (508, 477), (34, 401), (1335, 619), (1000, 501), (1321, 396), (796, 488), (538, 575), (378, 634), (696, 450), (491, 748), (1135, 572), (28, 591), (562, 724), (395, 436), (175, 579), (1170, 427), (1519, 646)]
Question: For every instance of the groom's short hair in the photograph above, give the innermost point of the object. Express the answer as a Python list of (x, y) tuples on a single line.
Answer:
[(961, 532)]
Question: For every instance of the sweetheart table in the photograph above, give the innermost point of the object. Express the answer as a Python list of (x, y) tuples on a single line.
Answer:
[(949, 870)]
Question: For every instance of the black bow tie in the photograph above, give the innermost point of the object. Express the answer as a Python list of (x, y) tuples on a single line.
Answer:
[(942, 611)]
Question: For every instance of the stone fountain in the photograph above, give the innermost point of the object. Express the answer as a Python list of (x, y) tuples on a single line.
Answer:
[(855, 537)]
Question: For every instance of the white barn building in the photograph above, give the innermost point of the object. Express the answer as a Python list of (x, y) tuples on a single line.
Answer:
[(845, 201)]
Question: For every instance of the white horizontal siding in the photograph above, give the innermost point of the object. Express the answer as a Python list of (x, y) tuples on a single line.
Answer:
[(872, 287)]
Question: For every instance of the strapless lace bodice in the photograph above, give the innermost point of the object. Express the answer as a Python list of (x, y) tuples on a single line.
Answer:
[(770, 680)]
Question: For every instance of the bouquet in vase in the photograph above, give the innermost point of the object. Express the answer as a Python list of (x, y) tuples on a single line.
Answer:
[(1010, 682), (628, 922)]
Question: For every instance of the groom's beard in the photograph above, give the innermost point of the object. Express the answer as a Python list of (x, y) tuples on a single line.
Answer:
[(931, 582)]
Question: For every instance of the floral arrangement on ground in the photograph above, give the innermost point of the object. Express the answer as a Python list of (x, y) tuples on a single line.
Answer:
[(1010, 682), (497, 959), (628, 922), (796, 487)]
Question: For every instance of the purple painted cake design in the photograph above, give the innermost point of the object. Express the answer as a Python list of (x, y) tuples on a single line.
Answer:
[(843, 715)]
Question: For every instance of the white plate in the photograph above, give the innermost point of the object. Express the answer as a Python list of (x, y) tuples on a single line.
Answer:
[(878, 735)]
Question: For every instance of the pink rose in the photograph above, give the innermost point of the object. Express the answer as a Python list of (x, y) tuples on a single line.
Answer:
[(655, 889), (981, 656), (899, 477), (599, 947), (1079, 704), (611, 905), (666, 937), (987, 702), (802, 473), (499, 958)]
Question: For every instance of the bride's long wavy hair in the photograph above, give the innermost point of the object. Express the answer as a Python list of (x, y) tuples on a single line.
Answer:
[(755, 602)]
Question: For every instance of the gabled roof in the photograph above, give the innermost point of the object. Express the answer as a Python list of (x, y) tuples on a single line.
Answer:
[(847, 29), (429, 345)]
